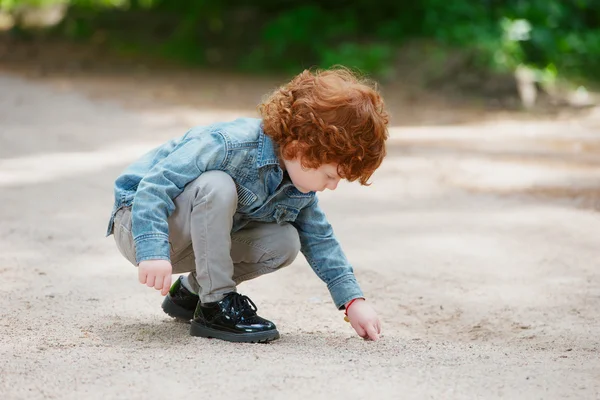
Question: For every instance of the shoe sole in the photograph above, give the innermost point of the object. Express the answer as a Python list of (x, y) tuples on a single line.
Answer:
[(175, 311), (255, 337)]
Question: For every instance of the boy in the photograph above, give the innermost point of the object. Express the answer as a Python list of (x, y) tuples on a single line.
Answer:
[(232, 201)]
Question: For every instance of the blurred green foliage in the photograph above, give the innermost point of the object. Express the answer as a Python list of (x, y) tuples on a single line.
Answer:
[(551, 36)]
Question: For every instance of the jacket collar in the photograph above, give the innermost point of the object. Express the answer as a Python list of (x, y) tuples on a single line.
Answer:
[(266, 151), (267, 155)]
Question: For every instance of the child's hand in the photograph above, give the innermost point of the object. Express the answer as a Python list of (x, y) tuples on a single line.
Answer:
[(156, 274), (364, 320)]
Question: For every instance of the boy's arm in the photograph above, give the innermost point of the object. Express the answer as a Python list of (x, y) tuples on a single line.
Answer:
[(324, 254), (153, 202)]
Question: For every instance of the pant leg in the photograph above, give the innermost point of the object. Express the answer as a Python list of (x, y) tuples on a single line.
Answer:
[(256, 250), (122, 234), (261, 248), (203, 217)]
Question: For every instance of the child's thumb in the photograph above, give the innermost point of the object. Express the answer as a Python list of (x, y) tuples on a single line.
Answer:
[(166, 285)]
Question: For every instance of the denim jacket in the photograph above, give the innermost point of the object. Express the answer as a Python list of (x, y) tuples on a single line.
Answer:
[(241, 149)]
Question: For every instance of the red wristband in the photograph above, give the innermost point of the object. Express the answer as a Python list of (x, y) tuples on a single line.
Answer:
[(349, 304)]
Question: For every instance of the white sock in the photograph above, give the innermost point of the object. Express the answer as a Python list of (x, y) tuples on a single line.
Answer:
[(186, 284)]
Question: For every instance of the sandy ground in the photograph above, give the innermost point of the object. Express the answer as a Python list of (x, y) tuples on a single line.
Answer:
[(477, 243)]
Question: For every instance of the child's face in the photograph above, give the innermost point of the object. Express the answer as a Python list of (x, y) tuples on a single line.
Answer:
[(312, 180)]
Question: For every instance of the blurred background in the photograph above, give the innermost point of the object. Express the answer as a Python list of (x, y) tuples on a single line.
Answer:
[(506, 53), (510, 80)]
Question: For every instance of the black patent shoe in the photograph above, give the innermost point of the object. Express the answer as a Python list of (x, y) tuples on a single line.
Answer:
[(233, 319), (180, 303)]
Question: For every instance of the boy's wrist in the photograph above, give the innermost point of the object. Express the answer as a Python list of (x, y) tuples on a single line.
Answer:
[(348, 304)]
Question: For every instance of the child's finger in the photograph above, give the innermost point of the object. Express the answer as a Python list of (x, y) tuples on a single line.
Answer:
[(166, 285), (158, 282), (378, 327), (360, 331), (372, 332), (142, 275), (150, 280)]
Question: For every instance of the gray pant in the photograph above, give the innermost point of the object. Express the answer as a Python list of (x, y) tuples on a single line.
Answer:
[(202, 242)]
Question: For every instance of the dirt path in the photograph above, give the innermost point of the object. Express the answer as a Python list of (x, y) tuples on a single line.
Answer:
[(478, 244)]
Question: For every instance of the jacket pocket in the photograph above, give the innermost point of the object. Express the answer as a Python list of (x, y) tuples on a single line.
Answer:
[(285, 214), (245, 196)]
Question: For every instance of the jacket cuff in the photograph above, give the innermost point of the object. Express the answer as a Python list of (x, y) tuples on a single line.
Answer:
[(345, 289), (152, 246)]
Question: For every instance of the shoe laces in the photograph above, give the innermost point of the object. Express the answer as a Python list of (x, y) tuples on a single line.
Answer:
[(243, 305)]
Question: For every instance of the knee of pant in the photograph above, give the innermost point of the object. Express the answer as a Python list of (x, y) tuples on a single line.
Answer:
[(290, 245), (218, 185)]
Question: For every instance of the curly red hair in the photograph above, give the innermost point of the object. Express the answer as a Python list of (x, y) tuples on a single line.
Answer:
[(329, 116)]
